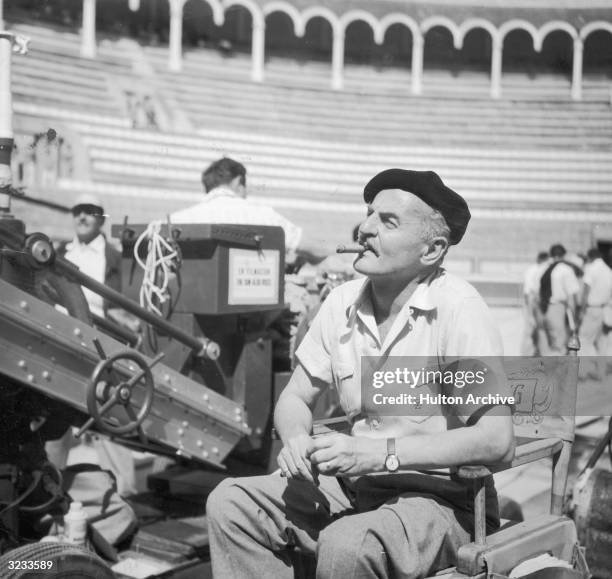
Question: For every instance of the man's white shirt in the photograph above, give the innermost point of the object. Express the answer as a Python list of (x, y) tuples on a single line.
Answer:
[(222, 205), (598, 276), (90, 258)]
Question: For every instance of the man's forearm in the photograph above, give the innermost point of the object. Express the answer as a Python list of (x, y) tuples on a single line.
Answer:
[(461, 446), (292, 417)]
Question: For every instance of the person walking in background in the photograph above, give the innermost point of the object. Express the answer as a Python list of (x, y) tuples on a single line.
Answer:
[(559, 295), (597, 295), (533, 323)]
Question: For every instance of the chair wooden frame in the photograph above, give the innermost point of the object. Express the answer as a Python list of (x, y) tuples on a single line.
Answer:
[(544, 417)]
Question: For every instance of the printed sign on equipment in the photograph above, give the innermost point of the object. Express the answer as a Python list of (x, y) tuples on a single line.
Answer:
[(253, 276)]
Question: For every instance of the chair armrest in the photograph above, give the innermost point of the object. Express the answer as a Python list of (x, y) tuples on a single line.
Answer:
[(531, 451)]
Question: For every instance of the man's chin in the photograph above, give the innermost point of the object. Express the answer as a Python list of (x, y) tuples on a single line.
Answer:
[(365, 265)]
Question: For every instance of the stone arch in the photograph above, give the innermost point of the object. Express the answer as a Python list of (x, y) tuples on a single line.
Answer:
[(289, 10), (197, 25), (443, 22), (319, 37), (397, 44), (515, 24), (322, 12), (251, 6), (554, 26), (438, 48), (595, 26), (354, 15), (597, 52), (476, 51), (280, 37), (556, 48), (359, 46), (218, 11), (396, 18), (472, 23), (519, 55)]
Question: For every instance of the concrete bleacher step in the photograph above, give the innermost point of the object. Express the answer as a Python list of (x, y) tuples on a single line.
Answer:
[(28, 92), (204, 79), (52, 112), (461, 165), (65, 43), (294, 110), (466, 165), (391, 80), (310, 168)]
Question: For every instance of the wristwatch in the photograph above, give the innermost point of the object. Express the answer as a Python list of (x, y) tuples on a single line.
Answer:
[(391, 462)]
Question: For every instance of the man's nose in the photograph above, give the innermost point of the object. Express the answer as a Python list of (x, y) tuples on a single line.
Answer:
[(367, 227)]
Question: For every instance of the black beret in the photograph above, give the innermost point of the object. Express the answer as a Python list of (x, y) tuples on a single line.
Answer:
[(428, 187)]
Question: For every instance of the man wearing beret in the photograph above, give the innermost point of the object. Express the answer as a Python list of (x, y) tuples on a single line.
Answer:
[(384, 500)]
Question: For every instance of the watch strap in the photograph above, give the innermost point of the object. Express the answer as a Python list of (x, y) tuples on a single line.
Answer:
[(390, 446)]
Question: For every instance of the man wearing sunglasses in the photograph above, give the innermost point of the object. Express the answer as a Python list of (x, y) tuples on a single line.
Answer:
[(90, 251)]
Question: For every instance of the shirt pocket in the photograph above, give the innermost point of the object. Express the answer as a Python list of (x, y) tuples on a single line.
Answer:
[(346, 382)]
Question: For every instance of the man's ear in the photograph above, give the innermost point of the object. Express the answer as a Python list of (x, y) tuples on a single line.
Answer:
[(237, 187), (434, 251)]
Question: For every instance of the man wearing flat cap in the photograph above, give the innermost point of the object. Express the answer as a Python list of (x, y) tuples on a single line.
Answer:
[(90, 251), (383, 500)]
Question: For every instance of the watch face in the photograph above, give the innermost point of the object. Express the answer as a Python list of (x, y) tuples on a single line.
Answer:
[(392, 463)]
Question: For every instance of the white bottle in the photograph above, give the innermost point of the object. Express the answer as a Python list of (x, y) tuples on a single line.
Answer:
[(75, 524)]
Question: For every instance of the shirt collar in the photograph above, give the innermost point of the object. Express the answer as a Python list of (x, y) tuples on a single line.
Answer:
[(421, 298), (221, 191), (96, 244)]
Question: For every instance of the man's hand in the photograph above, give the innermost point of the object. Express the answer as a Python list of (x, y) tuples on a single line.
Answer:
[(342, 455), (293, 458)]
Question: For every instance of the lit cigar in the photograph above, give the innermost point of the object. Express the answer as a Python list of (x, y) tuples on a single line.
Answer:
[(350, 249)]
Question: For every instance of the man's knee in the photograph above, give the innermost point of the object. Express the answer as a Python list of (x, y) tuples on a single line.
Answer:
[(224, 502), (344, 541)]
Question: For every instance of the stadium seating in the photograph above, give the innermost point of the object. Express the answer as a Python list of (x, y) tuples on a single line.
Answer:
[(310, 149)]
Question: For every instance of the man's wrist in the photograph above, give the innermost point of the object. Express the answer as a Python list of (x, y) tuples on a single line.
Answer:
[(377, 454), (288, 434)]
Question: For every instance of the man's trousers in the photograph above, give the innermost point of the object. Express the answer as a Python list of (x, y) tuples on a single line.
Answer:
[(372, 527), (555, 326), (591, 342)]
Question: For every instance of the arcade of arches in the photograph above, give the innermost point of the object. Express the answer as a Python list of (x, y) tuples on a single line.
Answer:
[(457, 38)]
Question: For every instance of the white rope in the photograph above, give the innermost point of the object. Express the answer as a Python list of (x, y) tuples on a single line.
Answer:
[(160, 257)]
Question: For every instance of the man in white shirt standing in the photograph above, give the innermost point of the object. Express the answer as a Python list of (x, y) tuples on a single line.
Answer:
[(533, 320), (224, 182), (597, 294), (90, 252), (93, 255)]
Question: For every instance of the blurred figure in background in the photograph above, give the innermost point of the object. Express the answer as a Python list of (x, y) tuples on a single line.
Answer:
[(597, 295), (559, 297), (533, 323)]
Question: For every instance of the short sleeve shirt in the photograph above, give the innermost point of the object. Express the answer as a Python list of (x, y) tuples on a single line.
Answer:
[(564, 284), (598, 276), (444, 318)]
